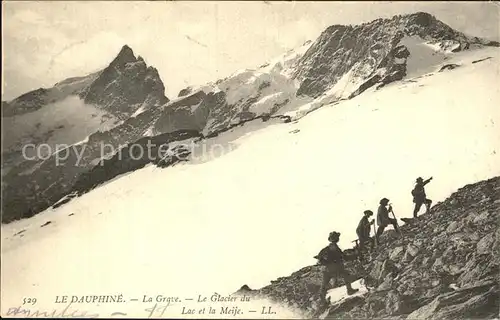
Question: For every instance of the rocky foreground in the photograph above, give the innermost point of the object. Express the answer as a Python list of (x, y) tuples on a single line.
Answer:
[(445, 266)]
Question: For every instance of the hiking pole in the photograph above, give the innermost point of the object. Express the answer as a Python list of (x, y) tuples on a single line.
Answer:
[(395, 219), (358, 249)]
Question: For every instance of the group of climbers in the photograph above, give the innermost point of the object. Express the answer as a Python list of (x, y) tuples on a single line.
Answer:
[(332, 257)]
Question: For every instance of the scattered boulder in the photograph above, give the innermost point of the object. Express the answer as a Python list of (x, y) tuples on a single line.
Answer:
[(485, 245), (479, 219), (474, 302), (20, 232), (396, 253), (450, 66), (245, 288), (476, 61), (387, 284), (338, 309), (411, 252), (453, 227), (46, 224), (387, 268)]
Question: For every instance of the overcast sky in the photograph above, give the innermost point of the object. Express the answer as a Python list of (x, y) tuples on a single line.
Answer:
[(188, 42)]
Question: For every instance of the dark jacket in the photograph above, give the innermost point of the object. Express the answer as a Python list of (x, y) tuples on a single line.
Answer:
[(363, 229), (330, 254), (382, 216), (419, 191)]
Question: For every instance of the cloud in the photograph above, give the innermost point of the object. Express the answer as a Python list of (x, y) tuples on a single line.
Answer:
[(28, 17), (37, 51), (29, 39), (82, 56)]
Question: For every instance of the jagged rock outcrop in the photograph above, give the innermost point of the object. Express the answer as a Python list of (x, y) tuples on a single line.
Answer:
[(371, 52), (189, 113), (391, 68), (126, 85), (185, 92), (241, 97), (127, 89), (445, 267), (121, 88)]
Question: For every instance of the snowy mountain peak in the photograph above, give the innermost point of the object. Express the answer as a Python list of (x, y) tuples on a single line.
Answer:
[(422, 18), (125, 85), (74, 110), (364, 55), (125, 55)]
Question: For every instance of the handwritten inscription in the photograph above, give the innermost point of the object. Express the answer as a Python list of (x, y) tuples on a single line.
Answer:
[(64, 313), (156, 306), (156, 311)]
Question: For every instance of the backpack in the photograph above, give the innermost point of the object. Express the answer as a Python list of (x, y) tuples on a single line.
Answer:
[(414, 193), (325, 256), (322, 256)]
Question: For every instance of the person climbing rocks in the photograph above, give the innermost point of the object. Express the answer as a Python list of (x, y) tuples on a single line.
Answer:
[(363, 231), (383, 219), (332, 259), (419, 196)]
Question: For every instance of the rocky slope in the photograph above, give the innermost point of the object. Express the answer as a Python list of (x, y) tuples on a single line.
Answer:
[(445, 266)]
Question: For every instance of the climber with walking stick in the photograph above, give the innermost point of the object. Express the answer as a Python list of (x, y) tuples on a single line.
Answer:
[(363, 232), (383, 219), (391, 210)]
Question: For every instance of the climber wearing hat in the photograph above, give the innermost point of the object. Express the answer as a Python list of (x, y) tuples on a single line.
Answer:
[(419, 196), (332, 258), (383, 219), (363, 230)]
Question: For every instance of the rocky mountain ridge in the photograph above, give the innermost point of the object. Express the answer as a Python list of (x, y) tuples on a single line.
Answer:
[(121, 88), (445, 266), (82, 112), (371, 50), (75, 108), (126, 85)]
